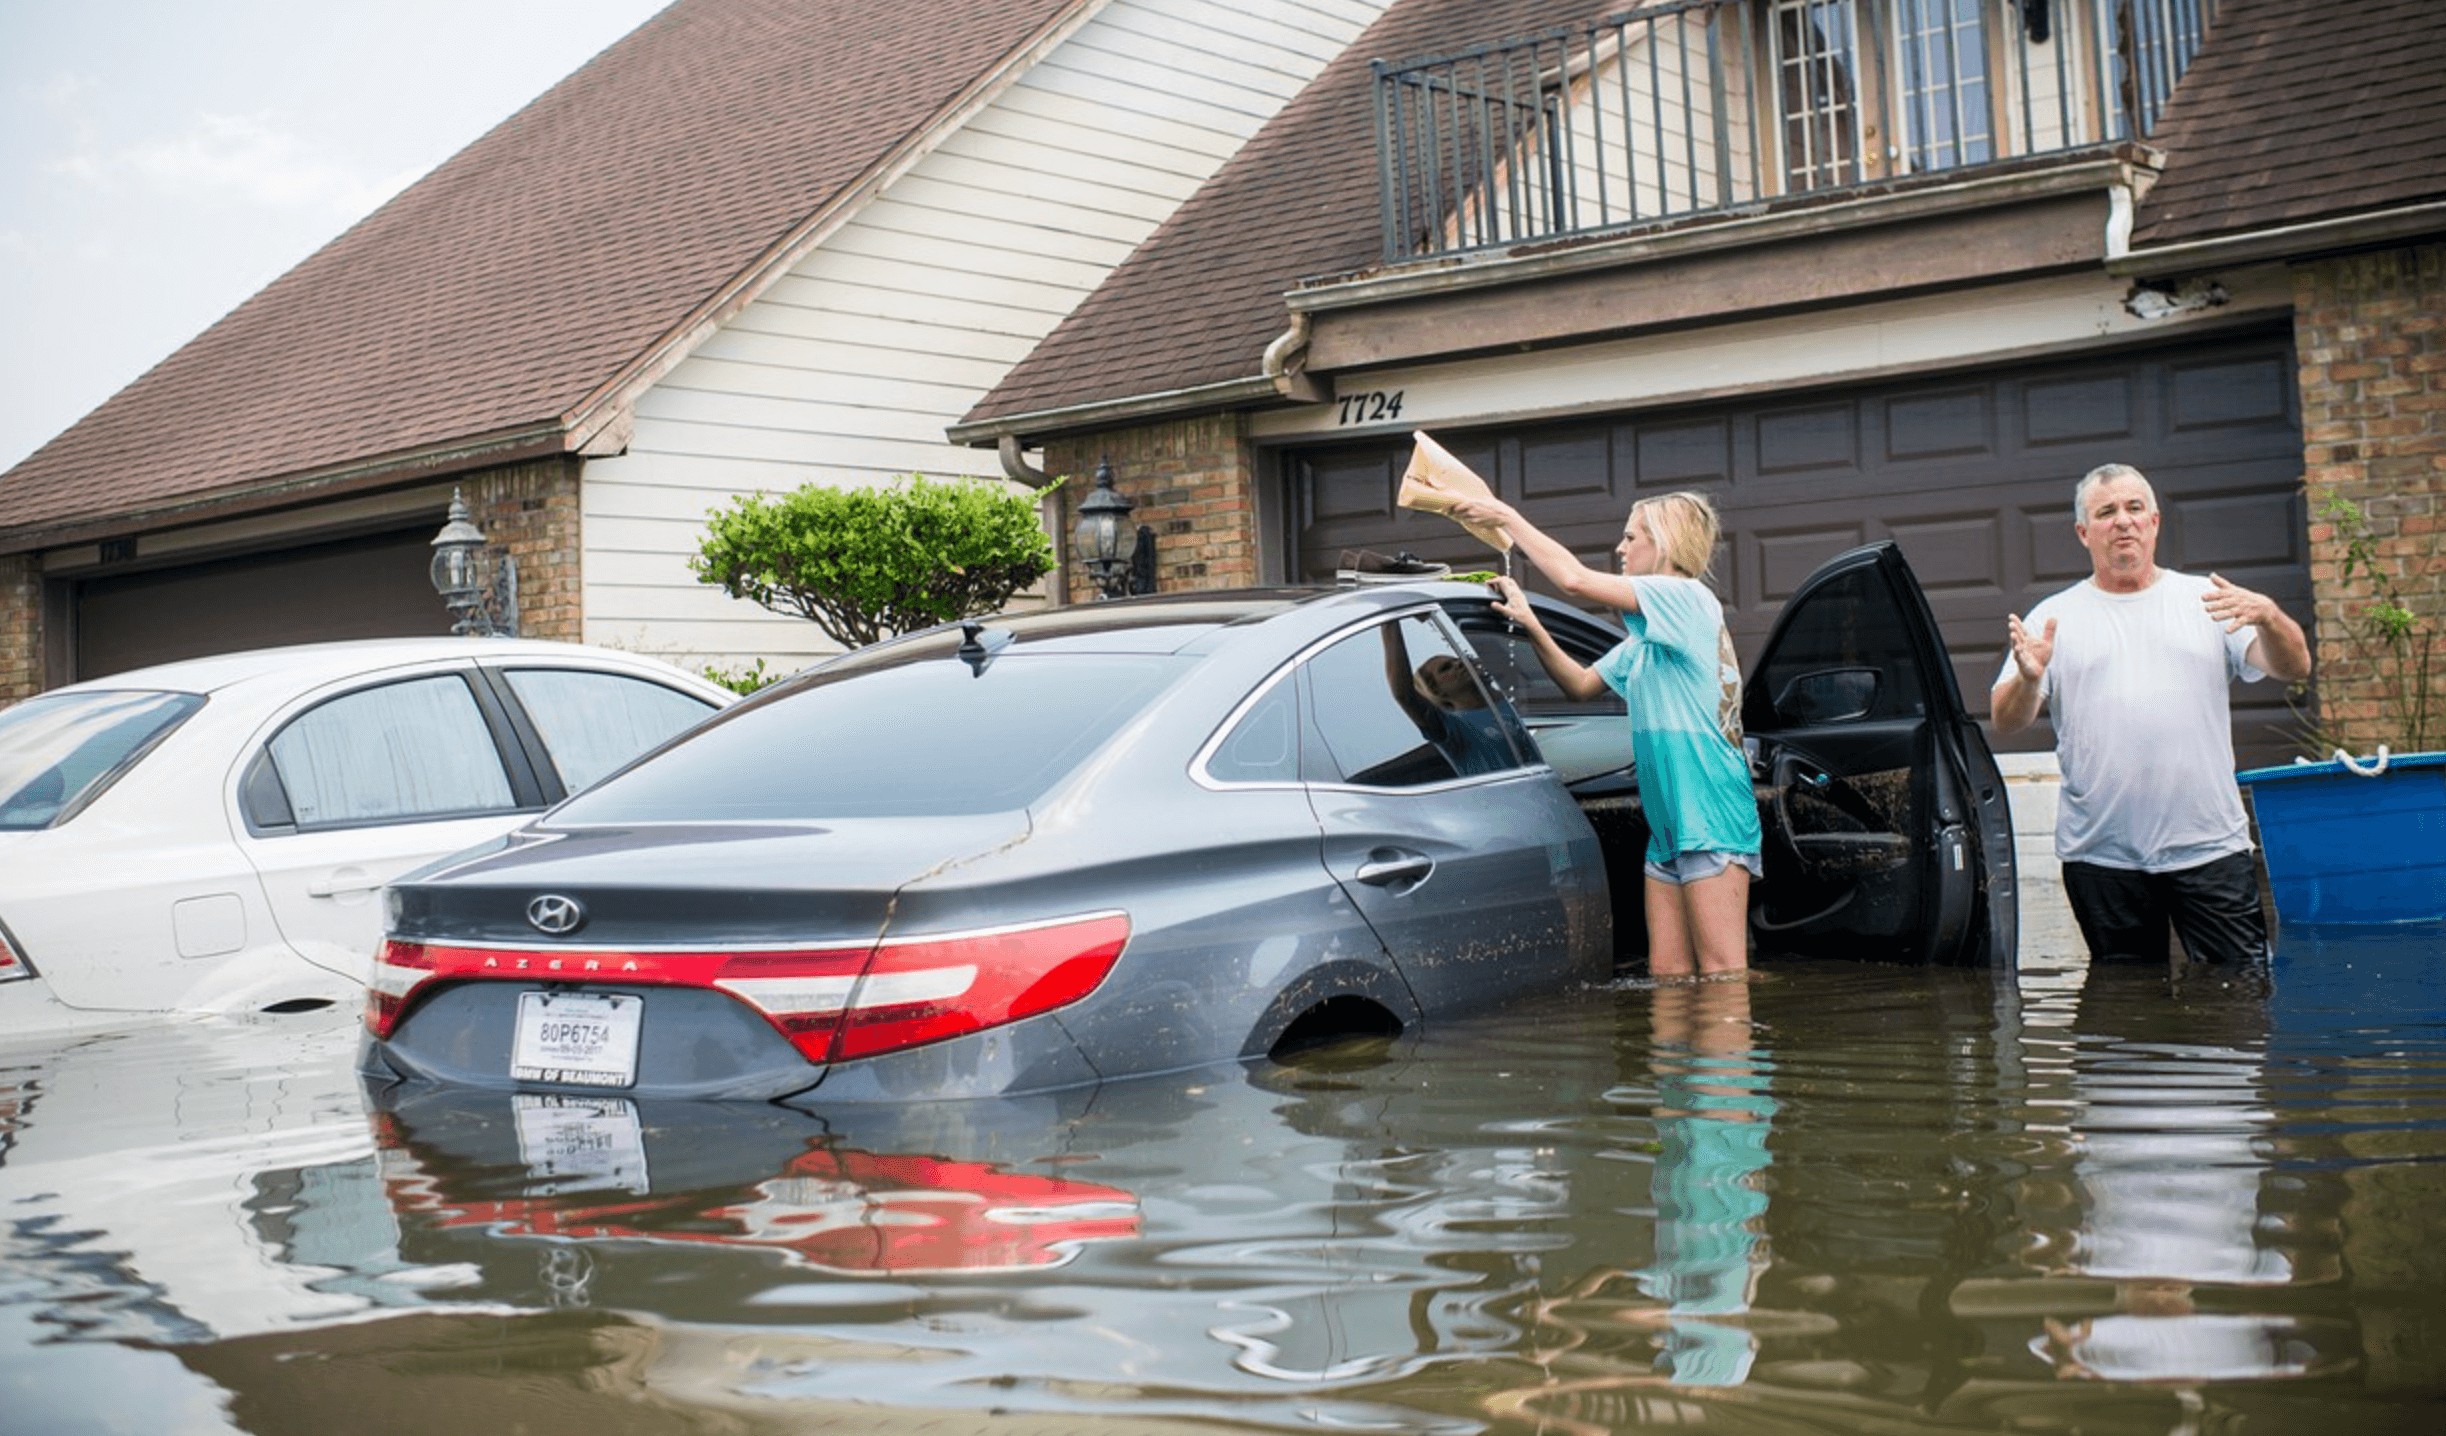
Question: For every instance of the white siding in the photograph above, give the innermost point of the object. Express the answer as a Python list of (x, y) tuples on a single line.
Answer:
[(849, 369)]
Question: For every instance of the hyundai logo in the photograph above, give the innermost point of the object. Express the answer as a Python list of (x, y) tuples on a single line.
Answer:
[(555, 915)]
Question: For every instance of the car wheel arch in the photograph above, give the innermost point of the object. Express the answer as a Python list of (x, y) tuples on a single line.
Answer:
[(1336, 1000)]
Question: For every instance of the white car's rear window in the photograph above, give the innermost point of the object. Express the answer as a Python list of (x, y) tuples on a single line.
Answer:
[(60, 751)]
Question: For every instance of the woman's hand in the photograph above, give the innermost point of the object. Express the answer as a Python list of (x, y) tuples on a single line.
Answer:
[(1512, 603), (1491, 512)]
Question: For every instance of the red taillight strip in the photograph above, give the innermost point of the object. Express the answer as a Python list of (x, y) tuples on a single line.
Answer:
[(833, 1003), (1004, 975)]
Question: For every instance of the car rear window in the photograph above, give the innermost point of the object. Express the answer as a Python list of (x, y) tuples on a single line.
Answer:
[(918, 739), (592, 723), (60, 751)]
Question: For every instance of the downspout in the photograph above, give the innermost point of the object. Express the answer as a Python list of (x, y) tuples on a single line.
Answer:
[(2119, 207), (1281, 361), (1018, 470), (2136, 172), (1015, 465)]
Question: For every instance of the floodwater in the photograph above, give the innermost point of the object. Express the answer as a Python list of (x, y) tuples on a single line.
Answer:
[(1835, 1199)]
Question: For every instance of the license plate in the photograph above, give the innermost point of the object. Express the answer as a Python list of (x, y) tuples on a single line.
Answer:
[(578, 1039), (580, 1144)]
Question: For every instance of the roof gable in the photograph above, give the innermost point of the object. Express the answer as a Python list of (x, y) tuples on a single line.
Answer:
[(525, 278), (1199, 301)]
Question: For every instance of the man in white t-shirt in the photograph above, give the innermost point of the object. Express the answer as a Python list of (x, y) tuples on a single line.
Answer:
[(2134, 665)]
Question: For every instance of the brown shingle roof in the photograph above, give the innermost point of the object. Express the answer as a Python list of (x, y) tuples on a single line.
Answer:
[(518, 279), (2298, 111), (1199, 301)]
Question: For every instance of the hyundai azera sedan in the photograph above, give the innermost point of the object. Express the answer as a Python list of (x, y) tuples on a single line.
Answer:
[(1147, 835), (212, 835)]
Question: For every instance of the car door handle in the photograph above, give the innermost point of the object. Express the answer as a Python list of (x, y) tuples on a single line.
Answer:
[(345, 880), (1394, 868)]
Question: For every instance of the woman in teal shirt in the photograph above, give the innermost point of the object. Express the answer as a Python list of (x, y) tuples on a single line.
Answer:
[(1676, 671)]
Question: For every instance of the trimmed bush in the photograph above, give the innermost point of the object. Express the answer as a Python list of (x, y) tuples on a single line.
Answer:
[(864, 564)]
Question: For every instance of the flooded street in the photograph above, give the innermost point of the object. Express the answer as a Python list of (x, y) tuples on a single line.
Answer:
[(1837, 1199)]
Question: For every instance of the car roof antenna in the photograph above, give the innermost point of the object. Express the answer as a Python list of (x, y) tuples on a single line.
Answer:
[(979, 644)]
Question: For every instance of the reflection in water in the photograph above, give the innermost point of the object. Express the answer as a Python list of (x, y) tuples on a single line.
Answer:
[(755, 1177), (2172, 1135), (1704, 1095), (1834, 1199), (1713, 1115)]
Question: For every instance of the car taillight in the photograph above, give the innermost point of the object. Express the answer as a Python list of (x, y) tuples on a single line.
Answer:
[(833, 1003), (13, 964), (925, 989), (399, 967)]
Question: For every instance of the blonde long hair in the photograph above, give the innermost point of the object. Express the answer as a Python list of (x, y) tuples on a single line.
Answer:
[(1685, 528)]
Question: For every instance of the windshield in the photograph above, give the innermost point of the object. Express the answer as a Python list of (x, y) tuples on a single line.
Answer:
[(58, 752), (926, 738)]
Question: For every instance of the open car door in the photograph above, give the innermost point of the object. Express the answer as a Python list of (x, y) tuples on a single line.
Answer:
[(1888, 837)]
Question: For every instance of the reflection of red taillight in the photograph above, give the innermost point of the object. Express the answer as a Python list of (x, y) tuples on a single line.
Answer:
[(835, 1004)]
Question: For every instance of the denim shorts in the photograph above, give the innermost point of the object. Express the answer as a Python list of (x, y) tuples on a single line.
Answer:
[(1699, 867)]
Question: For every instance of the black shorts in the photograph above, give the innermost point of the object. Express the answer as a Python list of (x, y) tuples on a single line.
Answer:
[(2214, 908)]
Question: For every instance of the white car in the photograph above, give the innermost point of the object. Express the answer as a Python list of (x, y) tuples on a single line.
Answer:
[(213, 835)]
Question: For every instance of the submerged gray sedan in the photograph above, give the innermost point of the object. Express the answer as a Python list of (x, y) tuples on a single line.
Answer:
[(1148, 835)]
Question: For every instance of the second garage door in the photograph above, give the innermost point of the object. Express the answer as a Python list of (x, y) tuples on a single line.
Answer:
[(1971, 474), (373, 586)]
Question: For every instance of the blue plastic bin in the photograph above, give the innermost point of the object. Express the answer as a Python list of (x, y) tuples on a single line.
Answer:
[(2347, 848)]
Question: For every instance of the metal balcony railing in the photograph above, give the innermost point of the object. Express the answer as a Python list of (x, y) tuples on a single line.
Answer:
[(1701, 106)]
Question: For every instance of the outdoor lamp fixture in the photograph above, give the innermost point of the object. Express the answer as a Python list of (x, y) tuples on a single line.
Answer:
[(1119, 564), (478, 584)]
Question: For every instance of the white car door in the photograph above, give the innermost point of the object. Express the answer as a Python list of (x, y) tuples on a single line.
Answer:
[(346, 795)]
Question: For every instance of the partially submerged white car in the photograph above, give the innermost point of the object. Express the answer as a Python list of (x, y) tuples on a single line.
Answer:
[(213, 835)]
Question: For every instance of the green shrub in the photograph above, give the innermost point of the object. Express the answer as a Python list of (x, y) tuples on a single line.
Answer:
[(742, 680), (2387, 637), (864, 564)]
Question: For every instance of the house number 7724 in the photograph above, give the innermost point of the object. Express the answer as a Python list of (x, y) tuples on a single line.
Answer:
[(1372, 406)]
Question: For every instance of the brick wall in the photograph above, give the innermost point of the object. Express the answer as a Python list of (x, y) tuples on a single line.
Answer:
[(2371, 333), (531, 511), (1193, 482), (20, 628)]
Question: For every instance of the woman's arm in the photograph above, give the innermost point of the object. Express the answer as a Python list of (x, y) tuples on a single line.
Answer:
[(1560, 565), (1569, 674), (1399, 679)]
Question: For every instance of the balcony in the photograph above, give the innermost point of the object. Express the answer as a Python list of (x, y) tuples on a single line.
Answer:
[(1681, 111)]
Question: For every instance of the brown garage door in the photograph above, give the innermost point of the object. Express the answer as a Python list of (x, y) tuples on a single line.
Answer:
[(1970, 473), (375, 586)]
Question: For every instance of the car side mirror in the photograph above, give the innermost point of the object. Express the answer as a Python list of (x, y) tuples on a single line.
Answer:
[(1830, 695)]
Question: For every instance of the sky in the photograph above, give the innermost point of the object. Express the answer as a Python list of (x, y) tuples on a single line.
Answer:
[(162, 160)]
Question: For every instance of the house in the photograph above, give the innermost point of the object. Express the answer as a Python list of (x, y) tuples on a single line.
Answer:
[(756, 243), (1858, 268)]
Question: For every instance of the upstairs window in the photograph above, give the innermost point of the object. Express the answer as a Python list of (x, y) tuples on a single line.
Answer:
[(1905, 88)]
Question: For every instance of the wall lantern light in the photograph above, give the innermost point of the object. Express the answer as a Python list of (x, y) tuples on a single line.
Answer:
[(478, 584), (1118, 563)]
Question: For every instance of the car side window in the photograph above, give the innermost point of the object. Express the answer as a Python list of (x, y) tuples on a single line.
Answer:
[(1263, 746), (401, 752), (1511, 661), (1398, 705), (1581, 738), (1844, 656), (591, 723)]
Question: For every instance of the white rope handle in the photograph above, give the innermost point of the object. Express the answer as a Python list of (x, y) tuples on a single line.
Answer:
[(2372, 770)]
